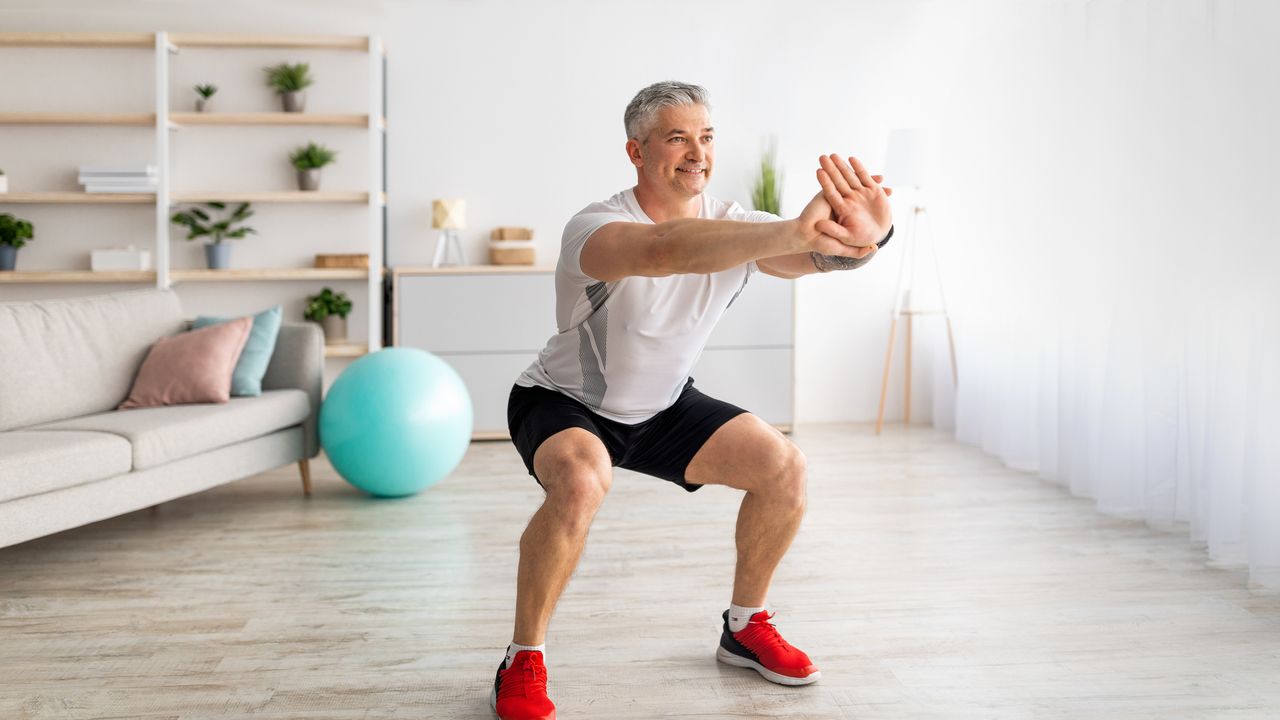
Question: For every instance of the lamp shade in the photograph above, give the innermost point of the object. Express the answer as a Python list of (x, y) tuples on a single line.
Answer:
[(904, 159), (449, 214)]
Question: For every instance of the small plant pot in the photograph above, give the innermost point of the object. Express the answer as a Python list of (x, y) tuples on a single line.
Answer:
[(335, 329), (295, 101), (309, 179), (217, 255), (204, 104), (4, 184), (8, 258)]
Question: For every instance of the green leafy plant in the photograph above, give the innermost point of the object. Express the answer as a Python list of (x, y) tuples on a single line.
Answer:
[(327, 303), (206, 91), (288, 78), (15, 232), (766, 194), (311, 157), (201, 224)]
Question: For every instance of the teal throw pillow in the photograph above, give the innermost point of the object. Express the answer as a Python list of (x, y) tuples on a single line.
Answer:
[(246, 379)]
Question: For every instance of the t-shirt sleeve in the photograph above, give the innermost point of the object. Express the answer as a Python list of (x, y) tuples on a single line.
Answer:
[(576, 234)]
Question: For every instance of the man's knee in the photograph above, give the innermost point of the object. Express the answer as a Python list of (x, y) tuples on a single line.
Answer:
[(574, 468), (785, 477)]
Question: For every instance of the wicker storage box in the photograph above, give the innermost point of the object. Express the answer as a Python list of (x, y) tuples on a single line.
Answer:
[(511, 252), (511, 246), (342, 261)]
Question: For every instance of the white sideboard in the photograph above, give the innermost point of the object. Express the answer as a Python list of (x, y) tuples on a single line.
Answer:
[(490, 322)]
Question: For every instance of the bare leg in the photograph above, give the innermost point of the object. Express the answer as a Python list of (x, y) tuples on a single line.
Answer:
[(748, 454), (574, 468)]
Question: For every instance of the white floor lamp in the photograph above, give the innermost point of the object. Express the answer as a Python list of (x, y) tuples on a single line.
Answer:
[(904, 170)]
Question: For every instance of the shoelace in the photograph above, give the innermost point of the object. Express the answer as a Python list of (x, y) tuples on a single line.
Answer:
[(534, 675), (763, 632)]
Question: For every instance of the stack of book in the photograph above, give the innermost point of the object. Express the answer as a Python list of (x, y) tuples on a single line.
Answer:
[(118, 178)]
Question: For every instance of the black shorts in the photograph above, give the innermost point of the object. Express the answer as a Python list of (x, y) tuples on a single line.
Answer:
[(661, 446)]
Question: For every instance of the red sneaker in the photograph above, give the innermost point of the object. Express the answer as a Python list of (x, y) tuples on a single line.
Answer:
[(520, 691), (759, 646)]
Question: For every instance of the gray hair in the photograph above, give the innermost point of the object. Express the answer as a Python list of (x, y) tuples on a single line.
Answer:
[(645, 105)]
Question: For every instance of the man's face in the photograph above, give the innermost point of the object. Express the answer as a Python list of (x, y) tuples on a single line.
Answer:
[(679, 151)]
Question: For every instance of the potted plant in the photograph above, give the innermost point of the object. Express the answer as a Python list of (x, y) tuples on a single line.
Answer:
[(14, 233), (766, 194), (201, 224), (4, 182), (289, 81), (206, 93), (308, 161), (330, 309)]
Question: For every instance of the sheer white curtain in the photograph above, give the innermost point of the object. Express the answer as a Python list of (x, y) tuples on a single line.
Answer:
[(1107, 220)]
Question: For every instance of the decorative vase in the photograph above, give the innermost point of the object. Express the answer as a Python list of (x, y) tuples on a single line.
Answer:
[(203, 103), (8, 257), (335, 329), (309, 179), (295, 101), (217, 255)]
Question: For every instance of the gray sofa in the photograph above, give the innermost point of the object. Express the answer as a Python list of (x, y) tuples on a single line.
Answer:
[(68, 458)]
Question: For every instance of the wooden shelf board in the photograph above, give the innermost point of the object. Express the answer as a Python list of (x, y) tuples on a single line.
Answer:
[(346, 350), (473, 270), (77, 118), (267, 118), (236, 40), (54, 39), (287, 196), (76, 198), (78, 276), (258, 274)]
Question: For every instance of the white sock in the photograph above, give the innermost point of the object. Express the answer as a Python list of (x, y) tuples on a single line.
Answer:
[(739, 616), (513, 648)]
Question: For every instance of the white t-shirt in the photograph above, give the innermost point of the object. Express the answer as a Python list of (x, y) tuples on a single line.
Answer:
[(625, 348)]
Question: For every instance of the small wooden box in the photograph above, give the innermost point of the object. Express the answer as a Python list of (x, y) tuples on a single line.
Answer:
[(342, 261), (512, 246)]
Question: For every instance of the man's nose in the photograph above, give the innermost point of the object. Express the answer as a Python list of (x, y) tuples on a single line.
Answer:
[(696, 152)]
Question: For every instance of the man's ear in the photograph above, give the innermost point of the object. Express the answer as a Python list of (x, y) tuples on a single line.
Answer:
[(633, 153)]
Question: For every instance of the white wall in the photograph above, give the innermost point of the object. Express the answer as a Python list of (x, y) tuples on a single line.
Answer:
[(517, 108)]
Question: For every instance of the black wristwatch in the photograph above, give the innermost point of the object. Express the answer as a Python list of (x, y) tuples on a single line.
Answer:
[(885, 241)]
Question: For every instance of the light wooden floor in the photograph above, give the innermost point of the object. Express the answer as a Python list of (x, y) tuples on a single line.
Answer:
[(927, 582)]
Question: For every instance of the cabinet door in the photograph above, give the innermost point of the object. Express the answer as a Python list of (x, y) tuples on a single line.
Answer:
[(489, 378), (477, 313)]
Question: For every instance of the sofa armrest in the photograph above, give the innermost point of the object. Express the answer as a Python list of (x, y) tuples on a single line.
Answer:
[(298, 362)]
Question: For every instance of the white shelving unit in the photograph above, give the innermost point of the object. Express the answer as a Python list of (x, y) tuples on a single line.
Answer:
[(164, 122)]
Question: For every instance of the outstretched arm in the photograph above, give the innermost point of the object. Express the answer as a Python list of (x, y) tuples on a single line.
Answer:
[(692, 245)]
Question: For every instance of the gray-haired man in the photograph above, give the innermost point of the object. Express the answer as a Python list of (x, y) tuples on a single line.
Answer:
[(642, 280)]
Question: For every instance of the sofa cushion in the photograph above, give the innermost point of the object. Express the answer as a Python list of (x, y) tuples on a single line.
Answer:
[(190, 367), (163, 434), (33, 462), (67, 358)]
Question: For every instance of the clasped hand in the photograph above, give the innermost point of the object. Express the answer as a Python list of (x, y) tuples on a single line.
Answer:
[(851, 213)]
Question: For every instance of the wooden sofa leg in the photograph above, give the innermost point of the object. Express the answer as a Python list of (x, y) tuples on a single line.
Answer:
[(304, 466)]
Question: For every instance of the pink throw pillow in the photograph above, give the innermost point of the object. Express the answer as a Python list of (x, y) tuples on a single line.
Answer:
[(192, 367)]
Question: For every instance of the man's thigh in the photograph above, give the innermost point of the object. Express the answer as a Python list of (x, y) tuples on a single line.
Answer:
[(740, 453)]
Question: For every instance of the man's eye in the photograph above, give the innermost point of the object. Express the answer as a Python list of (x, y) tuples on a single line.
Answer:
[(677, 139), (707, 138)]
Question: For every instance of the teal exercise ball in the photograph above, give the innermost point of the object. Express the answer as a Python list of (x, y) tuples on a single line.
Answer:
[(396, 422)]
